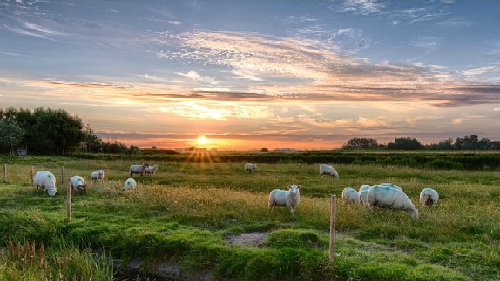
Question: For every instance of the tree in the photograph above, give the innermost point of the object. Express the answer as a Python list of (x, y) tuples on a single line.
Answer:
[(11, 134), (405, 144), (358, 143)]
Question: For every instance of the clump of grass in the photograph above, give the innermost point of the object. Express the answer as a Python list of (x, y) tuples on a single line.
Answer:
[(26, 262)]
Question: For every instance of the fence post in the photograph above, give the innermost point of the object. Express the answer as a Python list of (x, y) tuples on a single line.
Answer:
[(62, 174), (332, 228), (68, 201), (32, 174), (5, 172)]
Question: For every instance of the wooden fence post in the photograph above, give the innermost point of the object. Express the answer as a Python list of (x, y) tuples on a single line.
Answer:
[(32, 175), (68, 201), (332, 227), (62, 174), (5, 172)]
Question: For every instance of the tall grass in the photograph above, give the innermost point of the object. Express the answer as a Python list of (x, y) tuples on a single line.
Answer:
[(26, 262), (185, 211)]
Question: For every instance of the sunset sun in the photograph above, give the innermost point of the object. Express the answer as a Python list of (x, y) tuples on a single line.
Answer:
[(202, 140)]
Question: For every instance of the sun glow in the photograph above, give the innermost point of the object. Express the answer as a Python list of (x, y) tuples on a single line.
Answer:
[(202, 140)]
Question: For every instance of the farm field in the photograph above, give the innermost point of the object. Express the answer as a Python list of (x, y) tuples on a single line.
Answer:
[(213, 218)]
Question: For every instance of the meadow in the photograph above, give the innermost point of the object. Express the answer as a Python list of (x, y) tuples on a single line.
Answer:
[(190, 211)]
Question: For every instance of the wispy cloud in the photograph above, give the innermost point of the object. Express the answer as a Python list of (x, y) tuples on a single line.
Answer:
[(193, 75), (455, 23), (362, 7)]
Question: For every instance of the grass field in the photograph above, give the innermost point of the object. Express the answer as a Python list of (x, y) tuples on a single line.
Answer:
[(187, 211)]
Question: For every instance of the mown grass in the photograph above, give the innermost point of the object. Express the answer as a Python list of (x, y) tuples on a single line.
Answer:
[(185, 211)]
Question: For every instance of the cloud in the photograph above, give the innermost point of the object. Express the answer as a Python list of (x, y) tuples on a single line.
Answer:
[(481, 70), (455, 23), (362, 7), (421, 119), (153, 78), (193, 75)]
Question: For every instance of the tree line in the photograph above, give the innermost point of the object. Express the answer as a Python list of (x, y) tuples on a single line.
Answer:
[(51, 132), (469, 142), (56, 132)]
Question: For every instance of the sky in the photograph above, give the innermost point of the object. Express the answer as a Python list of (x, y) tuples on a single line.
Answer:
[(253, 74)]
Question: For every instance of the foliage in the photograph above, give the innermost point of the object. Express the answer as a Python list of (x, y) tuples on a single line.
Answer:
[(48, 131), (361, 143), (11, 134), (407, 143)]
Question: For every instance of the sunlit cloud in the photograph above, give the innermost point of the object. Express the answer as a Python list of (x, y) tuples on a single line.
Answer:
[(193, 75)]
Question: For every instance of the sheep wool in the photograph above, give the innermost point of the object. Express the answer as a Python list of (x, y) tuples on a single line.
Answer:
[(138, 169), (249, 167), (325, 169), (363, 194), (130, 183), (97, 175), (350, 196), (78, 184), (284, 198), (429, 197), (385, 196), (151, 169), (46, 181)]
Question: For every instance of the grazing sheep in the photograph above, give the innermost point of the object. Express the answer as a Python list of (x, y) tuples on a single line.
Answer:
[(78, 184), (289, 199), (386, 196), (250, 167), (363, 194), (138, 169), (130, 183), (325, 169), (46, 181), (97, 175), (429, 197), (350, 196), (151, 169), (391, 185)]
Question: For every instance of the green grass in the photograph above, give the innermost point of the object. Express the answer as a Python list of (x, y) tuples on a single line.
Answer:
[(186, 210)]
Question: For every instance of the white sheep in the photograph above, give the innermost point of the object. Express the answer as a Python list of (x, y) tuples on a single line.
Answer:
[(289, 199), (429, 197), (325, 169), (386, 196), (130, 183), (46, 181), (138, 169), (363, 194), (350, 196), (97, 175), (391, 185), (249, 167), (78, 184), (151, 170)]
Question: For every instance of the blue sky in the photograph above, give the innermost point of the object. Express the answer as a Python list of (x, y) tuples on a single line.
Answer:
[(250, 74)]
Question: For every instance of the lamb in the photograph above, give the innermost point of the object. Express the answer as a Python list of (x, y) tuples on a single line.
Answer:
[(325, 169), (289, 199), (46, 181), (350, 196), (97, 175), (429, 197), (138, 169), (386, 196), (363, 194), (250, 167), (151, 170), (78, 184), (130, 183)]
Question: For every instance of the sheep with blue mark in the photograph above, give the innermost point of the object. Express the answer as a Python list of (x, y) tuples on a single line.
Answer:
[(78, 184), (130, 183), (46, 181), (386, 196)]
